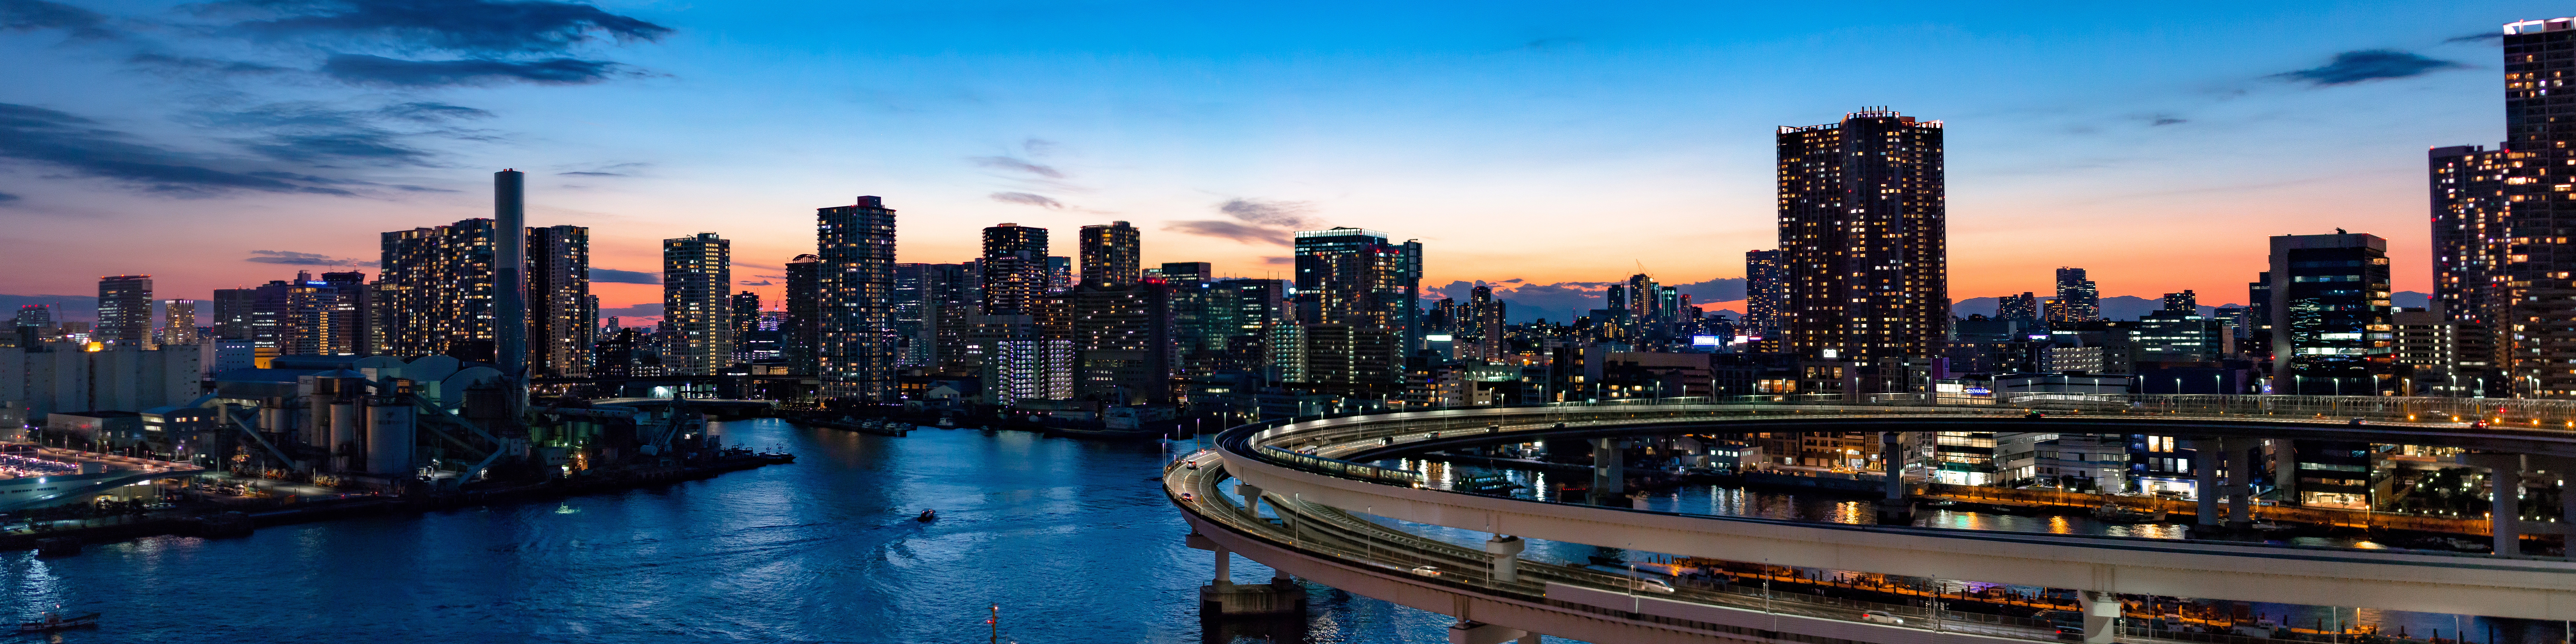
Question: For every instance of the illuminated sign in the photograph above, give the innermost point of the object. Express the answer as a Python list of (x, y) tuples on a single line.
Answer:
[(1704, 340), (1437, 338)]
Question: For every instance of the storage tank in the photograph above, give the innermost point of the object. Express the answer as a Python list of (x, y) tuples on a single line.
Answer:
[(389, 439), (346, 433)]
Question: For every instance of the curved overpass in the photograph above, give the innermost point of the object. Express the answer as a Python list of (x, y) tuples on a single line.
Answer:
[(1312, 464)]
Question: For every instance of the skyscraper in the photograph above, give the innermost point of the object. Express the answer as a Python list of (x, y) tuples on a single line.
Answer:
[(2502, 263), (1111, 255), (2077, 299), (1766, 295), (2023, 307), (801, 333), (854, 351), (1015, 270), (696, 273), (324, 317), (181, 325), (1863, 237), (2330, 313), (124, 310), (563, 318)]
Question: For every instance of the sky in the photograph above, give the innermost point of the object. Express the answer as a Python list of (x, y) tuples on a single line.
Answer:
[(1545, 148)]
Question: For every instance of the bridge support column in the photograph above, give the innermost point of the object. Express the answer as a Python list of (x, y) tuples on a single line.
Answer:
[(1251, 498), (2504, 498), (2204, 471), (1609, 470), (1895, 509), (2240, 484), (1466, 632), (1224, 568), (1506, 550), (2101, 616), (2565, 468)]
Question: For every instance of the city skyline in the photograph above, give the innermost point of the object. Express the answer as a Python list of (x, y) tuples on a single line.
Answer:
[(1685, 168)]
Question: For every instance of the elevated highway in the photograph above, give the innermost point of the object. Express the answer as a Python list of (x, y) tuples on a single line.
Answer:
[(1316, 468)]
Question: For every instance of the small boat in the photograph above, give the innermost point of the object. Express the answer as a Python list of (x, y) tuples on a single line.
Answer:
[(927, 516), (2117, 514), (53, 622)]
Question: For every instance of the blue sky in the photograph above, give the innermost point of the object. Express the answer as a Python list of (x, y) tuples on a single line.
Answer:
[(1552, 144)]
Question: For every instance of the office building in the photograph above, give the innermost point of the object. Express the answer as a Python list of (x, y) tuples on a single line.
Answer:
[(697, 271), (232, 312), (1863, 237), (855, 354), (1060, 276), (563, 318), (2183, 302), (124, 310), (744, 315), (1111, 255), (2078, 300), (2331, 330), (2427, 353), (35, 316), (180, 322), (800, 334), (324, 317), (2023, 308)]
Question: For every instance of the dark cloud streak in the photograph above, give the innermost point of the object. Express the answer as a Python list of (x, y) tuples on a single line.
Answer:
[(614, 276), (363, 69), (1026, 199), (1018, 165), (1229, 230), (2368, 65), (31, 15), (80, 145), (474, 26)]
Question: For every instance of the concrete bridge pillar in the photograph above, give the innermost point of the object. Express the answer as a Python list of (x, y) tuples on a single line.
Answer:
[(1466, 632), (2504, 498), (1506, 550), (1609, 469), (2204, 471), (2240, 483), (2101, 616), (2565, 470), (1895, 509), (1251, 498), (1224, 568)]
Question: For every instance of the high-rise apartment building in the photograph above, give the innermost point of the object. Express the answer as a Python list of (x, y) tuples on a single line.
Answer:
[(436, 290), (2078, 300), (1111, 255), (1360, 278), (1863, 237), (801, 333), (2502, 260), (563, 318), (855, 353), (124, 310), (2330, 315), (744, 314), (1015, 270), (180, 322), (1123, 336), (1766, 296), (697, 271), (324, 317), (1060, 276)]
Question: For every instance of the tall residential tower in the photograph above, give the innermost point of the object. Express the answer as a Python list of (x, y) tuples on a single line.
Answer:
[(1863, 238)]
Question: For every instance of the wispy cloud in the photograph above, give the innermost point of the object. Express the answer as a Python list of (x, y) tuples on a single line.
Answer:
[(1026, 199), (365, 69), (614, 276), (31, 15), (1015, 164), (2367, 65), (294, 258), (1255, 221), (758, 283), (525, 26)]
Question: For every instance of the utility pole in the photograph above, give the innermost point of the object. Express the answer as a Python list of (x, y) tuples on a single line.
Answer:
[(995, 623)]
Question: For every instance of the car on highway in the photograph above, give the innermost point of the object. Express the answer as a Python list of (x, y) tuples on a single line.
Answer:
[(2069, 624), (1650, 585), (1880, 617), (1188, 497), (1426, 571)]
